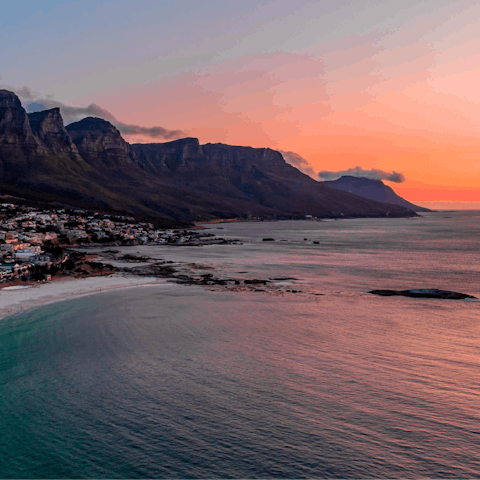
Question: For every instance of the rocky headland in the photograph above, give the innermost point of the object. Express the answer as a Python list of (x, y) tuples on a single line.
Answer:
[(374, 190)]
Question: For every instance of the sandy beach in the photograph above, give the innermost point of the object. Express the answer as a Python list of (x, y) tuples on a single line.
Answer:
[(17, 299)]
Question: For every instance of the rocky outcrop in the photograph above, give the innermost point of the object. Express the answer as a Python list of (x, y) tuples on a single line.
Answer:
[(18, 145), (372, 189), (188, 156), (14, 125), (48, 127), (41, 162), (100, 144), (164, 158), (423, 293), (228, 156)]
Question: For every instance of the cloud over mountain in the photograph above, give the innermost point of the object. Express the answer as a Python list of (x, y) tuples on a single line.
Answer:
[(35, 101), (299, 162), (373, 174)]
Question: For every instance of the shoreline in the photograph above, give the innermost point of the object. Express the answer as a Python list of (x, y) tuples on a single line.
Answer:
[(17, 300)]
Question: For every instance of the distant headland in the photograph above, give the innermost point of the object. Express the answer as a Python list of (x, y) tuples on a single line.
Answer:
[(374, 190)]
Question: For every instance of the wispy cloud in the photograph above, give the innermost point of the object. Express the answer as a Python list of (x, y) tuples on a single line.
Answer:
[(72, 114), (299, 162), (373, 174)]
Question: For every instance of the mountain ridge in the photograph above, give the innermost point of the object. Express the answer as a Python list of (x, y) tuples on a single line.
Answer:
[(88, 162)]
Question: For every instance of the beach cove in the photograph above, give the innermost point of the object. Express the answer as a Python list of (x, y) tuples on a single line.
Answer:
[(18, 299)]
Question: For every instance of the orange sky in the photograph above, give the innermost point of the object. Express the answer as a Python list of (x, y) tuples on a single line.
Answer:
[(385, 85), (412, 123), (412, 108)]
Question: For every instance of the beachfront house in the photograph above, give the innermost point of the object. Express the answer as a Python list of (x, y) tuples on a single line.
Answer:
[(9, 269), (42, 260), (27, 253)]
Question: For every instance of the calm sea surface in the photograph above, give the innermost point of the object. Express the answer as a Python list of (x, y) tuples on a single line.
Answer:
[(183, 382)]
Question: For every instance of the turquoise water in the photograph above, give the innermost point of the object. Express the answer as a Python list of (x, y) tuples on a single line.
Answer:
[(182, 382)]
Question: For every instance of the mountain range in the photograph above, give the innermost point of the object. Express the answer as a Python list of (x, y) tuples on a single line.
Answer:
[(88, 164), (372, 189)]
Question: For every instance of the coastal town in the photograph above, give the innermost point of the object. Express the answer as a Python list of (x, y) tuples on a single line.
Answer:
[(36, 243), (50, 247), (43, 245)]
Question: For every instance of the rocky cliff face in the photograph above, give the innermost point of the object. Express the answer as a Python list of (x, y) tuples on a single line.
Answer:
[(227, 156), (89, 164), (100, 144), (14, 125), (236, 172), (48, 127), (165, 158), (187, 155), (18, 145), (39, 162)]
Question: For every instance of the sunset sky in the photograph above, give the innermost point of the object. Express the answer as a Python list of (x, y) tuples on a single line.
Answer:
[(383, 85)]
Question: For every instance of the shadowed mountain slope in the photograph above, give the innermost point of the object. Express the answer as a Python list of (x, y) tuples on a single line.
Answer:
[(372, 189), (38, 157), (88, 163), (259, 176)]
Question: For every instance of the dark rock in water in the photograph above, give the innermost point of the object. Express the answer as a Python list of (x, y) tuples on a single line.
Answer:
[(134, 258), (316, 243), (423, 293), (268, 239), (151, 270), (256, 281)]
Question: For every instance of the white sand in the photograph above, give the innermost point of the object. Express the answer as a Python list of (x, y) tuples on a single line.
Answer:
[(17, 300)]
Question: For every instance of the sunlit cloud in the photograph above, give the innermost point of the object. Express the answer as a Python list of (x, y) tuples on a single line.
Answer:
[(373, 174), (299, 162), (34, 101)]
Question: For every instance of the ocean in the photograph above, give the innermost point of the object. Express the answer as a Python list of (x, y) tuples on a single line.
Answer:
[(177, 381)]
